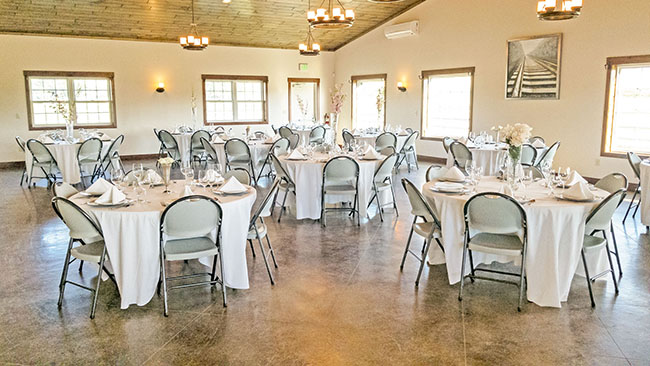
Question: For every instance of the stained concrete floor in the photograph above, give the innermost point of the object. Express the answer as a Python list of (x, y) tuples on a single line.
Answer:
[(339, 299)]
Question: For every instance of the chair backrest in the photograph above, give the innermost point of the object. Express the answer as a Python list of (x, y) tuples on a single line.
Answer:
[(600, 217), (113, 151), (446, 143), (167, 140), (63, 189), (285, 131), (612, 182), (294, 140), (385, 169), (259, 134), (39, 151), (197, 136), (155, 132), (279, 169), (280, 147), (80, 224), (408, 129), (494, 213), (219, 129), (341, 170), (237, 149), (348, 138), (634, 161), (536, 138), (385, 140), (528, 154), (435, 172), (549, 155), (409, 144), (388, 150), (537, 173), (264, 209), (461, 154), (209, 150), (240, 174), (90, 149), (191, 217), (317, 134), (420, 207), (21, 143)]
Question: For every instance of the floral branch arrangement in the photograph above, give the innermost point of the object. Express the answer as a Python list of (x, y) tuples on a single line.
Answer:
[(301, 106), (380, 101), (337, 97), (67, 110)]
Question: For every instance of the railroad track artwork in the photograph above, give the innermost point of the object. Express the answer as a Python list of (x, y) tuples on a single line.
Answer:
[(533, 69)]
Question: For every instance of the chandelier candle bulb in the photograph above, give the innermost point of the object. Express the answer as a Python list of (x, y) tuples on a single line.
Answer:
[(204, 40), (336, 12), (349, 14), (316, 47)]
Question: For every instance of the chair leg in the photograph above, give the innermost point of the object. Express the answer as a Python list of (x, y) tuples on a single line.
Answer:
[(381, 215), (64, 274), (99, 281), (522, 274), (408, 244), (462, 269), (427, 243), (618, 258), (611, 267), (252, 248), (31, 176), (223, 277), (22, 177), (357, 208), (284, 201), (268, 242), (266, 262), (584, 263), (164, 282), (392, 190), (322, 208), (630, 206), (636, 209)]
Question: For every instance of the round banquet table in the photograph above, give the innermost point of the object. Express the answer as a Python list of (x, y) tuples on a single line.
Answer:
[(131, 235), (65, 154), (259, 151), (644, 168), (184, 141), (304, 133), (555, 231), (488, 157), (370, 139), (308, 177)]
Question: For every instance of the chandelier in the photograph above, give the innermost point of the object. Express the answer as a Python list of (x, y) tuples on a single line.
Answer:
[(310, 47), (193, 41), (330, 17), (558, 9)]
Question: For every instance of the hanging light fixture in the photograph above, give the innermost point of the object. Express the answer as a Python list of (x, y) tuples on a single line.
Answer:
[(193, 41), (310, 47), (332, 17), (558, 9)]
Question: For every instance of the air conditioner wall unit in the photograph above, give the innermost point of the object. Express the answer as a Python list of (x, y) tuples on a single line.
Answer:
[(402, 30)]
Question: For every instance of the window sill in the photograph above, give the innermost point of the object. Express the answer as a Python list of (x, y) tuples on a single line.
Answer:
[(235, 123), (431, 138), (621, 155), (76, 127)]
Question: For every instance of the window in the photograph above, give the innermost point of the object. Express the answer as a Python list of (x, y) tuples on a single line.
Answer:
[(447, 102), (626, 125), (369, 101), (303, 100), (53, 96), (234, 99)]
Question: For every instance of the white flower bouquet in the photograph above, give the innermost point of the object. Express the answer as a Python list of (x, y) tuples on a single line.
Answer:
[(515, 136)]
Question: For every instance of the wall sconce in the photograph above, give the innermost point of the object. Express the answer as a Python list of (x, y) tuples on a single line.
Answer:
[(161, 87), (401, 87)]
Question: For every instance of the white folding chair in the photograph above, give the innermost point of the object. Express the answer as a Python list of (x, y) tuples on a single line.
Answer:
[(258, 229), (383, 181), (340, 177)]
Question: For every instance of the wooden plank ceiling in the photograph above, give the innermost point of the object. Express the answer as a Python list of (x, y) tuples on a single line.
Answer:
[(254, 23)]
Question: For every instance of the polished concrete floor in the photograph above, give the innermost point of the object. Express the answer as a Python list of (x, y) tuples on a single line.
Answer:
[(339, 299)]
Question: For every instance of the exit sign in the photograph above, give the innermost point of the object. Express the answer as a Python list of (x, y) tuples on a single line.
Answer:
[(303, 67)]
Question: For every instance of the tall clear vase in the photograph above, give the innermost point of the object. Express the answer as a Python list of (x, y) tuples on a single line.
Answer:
[(69, 131), (334, 121)]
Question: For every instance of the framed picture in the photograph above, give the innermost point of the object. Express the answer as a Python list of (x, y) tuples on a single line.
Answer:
[(534, 67)]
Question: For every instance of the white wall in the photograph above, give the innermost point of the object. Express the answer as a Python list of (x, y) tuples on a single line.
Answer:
[(465, 33), (138, 66)]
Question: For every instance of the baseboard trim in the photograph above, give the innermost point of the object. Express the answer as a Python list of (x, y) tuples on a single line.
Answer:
[(21, 164), (432, 159)]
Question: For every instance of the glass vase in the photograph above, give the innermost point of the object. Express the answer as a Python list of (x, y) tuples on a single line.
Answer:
[(166, 170), (334, 119)]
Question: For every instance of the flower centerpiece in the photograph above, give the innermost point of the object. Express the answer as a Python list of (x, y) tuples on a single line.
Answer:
[(380, 104), (67, 110), (515, 136), (337, 97), (166, 169)]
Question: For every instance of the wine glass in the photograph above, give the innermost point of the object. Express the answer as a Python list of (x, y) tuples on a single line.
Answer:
[(116, 176), (564, 175), (188, 173), (527, 179)]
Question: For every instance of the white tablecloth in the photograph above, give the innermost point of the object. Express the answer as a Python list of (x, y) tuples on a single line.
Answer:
[(555, 232), (304, 134), (184, 141), (370, 140), (308, 177), (65, 155), (489, 157), (132, 237), (644, 167), (259, 151)]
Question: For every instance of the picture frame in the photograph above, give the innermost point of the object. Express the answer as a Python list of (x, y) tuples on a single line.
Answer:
[(533, 67)]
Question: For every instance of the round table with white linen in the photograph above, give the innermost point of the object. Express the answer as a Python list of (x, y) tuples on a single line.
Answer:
[(644, 169), (65, 154), (304, 133), (555, 233), (259, 151), (370, 139), (184, 141), (488, 157), (308, 177), (131, 235)]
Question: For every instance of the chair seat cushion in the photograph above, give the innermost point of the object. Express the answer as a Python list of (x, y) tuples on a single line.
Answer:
[(90, 252), (500, 244), (340, 189), (192, 248), (593, 242), (424, 229), (261, 229), (88, 161), (239, 161), (382, 186)]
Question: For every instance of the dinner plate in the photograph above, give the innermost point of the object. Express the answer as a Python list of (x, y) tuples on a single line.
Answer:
[(216, 191), (442, 190), (561, 197), (123, 203), (452, 180)]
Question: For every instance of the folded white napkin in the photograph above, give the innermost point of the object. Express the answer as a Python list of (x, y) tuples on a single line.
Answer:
[(152, 177), (449, 187), (112, 196), (296, 155), (212, 177), (574, 178), (462, 140), (371, 154), (187, 191), (579, 191), (47, 140), (232, 185), (538, 143), (507, 190), (217, 140), (105, 137), (454, 174), (100, 187)]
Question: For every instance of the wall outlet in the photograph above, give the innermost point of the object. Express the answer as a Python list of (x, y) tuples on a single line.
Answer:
[(597, 161)]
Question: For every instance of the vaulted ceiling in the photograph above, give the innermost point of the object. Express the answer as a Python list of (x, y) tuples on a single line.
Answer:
[(255, 23)]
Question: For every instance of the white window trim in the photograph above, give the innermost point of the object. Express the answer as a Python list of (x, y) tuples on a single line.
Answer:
[(233, 79)]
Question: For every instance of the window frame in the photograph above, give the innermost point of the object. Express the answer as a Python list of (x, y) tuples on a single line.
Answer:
[(610, 93), (265, 105), (68, 74), (317, 96), (458, 70), (353, 80)]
